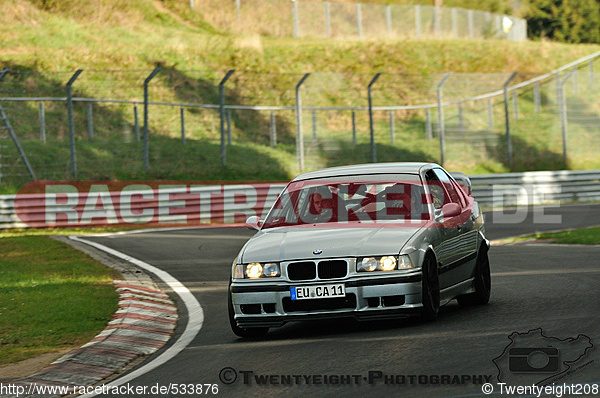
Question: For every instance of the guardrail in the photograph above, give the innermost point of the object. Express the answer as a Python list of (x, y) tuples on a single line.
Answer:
[(536, 187), (191, 205)]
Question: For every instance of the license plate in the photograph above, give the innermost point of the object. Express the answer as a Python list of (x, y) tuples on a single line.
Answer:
[(318, 291)]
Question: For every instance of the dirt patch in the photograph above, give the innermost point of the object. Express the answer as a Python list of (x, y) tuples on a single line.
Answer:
[(160, 7), (29, 366)]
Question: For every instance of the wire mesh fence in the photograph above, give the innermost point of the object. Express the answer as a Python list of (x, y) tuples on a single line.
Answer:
[(331, 19), (191, 124)]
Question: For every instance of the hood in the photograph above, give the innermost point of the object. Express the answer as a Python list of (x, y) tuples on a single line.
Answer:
[(285, 244)]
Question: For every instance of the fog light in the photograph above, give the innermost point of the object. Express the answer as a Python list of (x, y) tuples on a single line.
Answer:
[(368, 264), (271, 269)]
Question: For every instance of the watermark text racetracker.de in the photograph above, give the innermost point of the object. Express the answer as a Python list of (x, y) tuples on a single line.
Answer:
[(229, 375), (554, 390), (167, 203)]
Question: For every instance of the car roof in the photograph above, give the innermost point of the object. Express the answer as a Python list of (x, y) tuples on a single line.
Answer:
[(366, 169)]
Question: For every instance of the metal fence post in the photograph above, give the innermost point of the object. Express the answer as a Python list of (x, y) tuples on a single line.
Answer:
[(418, 21), (90, 121), (507, 120), (536, 97), (461, 119), (15, 140), (454, 23), (437, 11), (591, 71), (238, 10), (327, 19), (490, 114), (229, 139), (42, 114), (359, 26), (515, 98), (146, 133), (558, 94), (71, 122), (392, 128), (371, 130), (499, 29), (487, 16), (192, 5), (273, 130), (354, 127), (222, 115), (471, 24), (575, 80), (563, 112), (314, 125), (136, 124), (441, 127), (17, 144), (295, 19), (299, 138), (428, 129), (388, 19), (182, 118)]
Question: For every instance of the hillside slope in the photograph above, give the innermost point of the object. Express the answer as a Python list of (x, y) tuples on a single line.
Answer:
[(104, 34)]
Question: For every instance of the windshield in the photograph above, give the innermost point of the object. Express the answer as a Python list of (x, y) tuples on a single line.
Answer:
[(353, 199)]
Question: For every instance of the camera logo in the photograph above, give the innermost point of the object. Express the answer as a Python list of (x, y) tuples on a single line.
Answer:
[(533, 357), (533, 360)]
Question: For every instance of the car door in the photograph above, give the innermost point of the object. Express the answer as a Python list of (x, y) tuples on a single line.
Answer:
[(462, 243), (445, 238)]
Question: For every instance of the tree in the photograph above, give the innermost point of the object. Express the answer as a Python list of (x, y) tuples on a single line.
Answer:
[(570, 21)]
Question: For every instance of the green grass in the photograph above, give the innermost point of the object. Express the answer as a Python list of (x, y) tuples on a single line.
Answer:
[(586, 236), (21, 232), (51, 297)]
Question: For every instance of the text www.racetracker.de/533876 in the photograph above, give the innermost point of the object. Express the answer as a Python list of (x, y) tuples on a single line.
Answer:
[(125, 389)]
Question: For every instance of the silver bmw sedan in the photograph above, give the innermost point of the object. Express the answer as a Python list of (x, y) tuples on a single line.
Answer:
[(373, 241)]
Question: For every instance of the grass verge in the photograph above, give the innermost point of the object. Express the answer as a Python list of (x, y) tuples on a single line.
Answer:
[(51, 297), (22, 232), (585, 236)]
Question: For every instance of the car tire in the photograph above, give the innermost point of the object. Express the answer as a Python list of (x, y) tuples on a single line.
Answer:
[(430, 289), (482, 281), (248, 333)]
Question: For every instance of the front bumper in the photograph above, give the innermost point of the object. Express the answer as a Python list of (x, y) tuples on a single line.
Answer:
[(268, 304)]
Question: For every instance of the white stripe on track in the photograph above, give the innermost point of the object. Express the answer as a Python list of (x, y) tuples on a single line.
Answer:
[(195, 314)]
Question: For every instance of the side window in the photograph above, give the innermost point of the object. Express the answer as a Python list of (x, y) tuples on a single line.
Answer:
[(449, 187), (435, 187), (461, 193), (457, 187)]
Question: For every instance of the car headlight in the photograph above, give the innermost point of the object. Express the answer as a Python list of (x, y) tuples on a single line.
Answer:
[(383, 263), (256, 270)]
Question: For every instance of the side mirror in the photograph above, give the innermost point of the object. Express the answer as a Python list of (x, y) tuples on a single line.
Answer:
[(253, 222), (451, 210), (447, 211)]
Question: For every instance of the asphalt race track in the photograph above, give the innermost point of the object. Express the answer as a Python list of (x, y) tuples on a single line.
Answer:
[(552, 287)]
